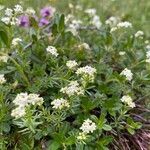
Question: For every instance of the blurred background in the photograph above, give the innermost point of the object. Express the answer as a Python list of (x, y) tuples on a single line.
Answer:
[(136, 11)]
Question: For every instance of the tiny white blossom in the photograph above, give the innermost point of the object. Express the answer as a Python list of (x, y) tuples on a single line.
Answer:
[(14, 21), (59, 103), (125, 24), (18, 9), (2, 79), (52, 50), (85, 46), (18, 112), (112, 21), (16, 41), (87, 72), (88, 126), (148, 47), (23, 100), (128, 100), (139, 34), (113, 29), (96, 21), (82, 136), (126, 72), (72, 89), (90, 11), (30, 11), (8, 12), (71, 64), (121, 53), (6, 20), (4, 58)]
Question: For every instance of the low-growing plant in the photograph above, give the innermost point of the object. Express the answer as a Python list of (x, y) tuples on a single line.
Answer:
[(68, 83)]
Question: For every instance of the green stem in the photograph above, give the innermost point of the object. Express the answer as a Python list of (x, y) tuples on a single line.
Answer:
[(20, 70)]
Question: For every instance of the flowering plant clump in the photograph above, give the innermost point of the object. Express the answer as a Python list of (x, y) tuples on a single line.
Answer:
[(69, 82)]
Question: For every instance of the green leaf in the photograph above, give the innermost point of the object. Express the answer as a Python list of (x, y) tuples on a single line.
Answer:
[(107, 127), (4, 37), (54, 145), (61, 23)]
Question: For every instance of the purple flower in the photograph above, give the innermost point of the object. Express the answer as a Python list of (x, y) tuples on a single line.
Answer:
[(47, 11), (43, 22), (24, 21)]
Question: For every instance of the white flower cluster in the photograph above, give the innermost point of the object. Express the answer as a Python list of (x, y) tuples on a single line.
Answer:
[(124, 24), (16, 41), (24, 99), (148, 54), (30, 11), (81, 136), (4, 58), (87, 72), (95, 19), (71, 64), (72, 89), (128, 100), (52, 50), (10, 15), (112, 21), (88, 126), (60, 103), (139, 34), (126, 72), (2, 79)]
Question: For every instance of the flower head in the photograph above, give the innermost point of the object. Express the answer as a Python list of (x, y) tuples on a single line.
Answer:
[(88, 126), (128, 100), (18, 9), (52, 50), (2, 79), (47, 11), (72, 89), (43, 22), (60, 103), (126, 72), (24, 21), (16, 41), (71, 64)]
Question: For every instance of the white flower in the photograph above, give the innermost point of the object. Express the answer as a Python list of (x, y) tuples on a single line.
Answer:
[(2, 79), (52, 50), (8, 12), (72, 89), (113, 29), (16, 41), (59, 103), (14, 21), (96, 21), (18, 9), (85, 46), (34, 99), (90, 11), (139, 34), (146, 42), (68, 18), (121, 53), (4, 58), (126, 72), (6, 20), (148, 56), (87, 72), (128, 100), (112, 21), (81, 136), (18, 112), (71, 64), (23, 100), (88, 126), (148, 47), (75, 24), (30, 11), (125, 24)]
